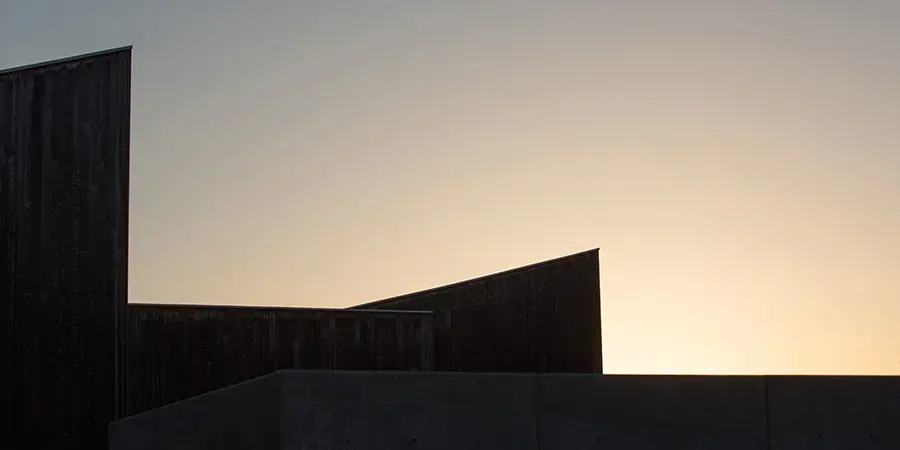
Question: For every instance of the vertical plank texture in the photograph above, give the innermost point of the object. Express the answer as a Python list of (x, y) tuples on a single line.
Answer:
[(64, 154)]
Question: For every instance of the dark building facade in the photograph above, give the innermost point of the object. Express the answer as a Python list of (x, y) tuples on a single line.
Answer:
[(180, 351), (80, 357), (542, 318), (64, 156)]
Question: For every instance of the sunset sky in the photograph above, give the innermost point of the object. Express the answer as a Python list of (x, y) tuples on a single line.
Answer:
[(737, 162)]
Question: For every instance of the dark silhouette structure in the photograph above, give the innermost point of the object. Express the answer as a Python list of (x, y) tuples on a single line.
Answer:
[(392, 368), (64, 152), (542, 318), (64, 221), (176, 351), (477, 411)]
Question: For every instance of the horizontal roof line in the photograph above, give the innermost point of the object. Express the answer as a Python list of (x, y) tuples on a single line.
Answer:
[(267, 308)]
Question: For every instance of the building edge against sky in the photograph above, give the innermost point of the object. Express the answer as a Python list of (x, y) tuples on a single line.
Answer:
[(535, 318), (68, 141), (66, 337), (540, 318), (176, 352), (64, 139)]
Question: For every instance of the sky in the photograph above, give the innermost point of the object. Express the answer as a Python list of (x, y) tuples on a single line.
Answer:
[(737, 163)]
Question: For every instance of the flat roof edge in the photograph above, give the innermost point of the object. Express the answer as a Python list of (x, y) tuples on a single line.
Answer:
[(264, 309)]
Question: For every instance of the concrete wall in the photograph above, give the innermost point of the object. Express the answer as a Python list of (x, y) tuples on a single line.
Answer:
[(344, 410), (807, 412), (390, 410), (649, 412), (244, 416)]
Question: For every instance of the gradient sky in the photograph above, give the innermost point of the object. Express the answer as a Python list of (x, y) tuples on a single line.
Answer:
[(738, 163)]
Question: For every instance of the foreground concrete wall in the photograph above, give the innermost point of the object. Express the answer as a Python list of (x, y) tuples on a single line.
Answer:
[(392, 410), (649, 412), (345, 410), (807, 412), (244, 416)]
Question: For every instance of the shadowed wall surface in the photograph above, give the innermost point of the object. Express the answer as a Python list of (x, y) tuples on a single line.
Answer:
[(671, 412), (542, 318), (64, 156), (179, 351), (384, 410), (539, 318), (833, 412)]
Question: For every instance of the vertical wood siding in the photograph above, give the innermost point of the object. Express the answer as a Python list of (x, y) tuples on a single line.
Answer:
[(543, 318), (177, 352), (64, 153)]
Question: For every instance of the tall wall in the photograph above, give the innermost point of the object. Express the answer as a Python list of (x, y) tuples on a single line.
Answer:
[(64, 154), (179, 351), (543, 318)]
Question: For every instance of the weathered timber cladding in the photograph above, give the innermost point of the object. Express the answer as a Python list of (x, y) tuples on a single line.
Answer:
[(543, 318), (180, 351), (64, 153)]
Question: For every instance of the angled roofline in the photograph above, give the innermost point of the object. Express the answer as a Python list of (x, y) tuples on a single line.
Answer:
[(548, 262), (68, 59)]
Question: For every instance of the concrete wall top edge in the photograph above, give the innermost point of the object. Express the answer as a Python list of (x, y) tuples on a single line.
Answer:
[(273, 377), (281, 375), (599, 375), (395, 373), (831, 377), (387, 373)]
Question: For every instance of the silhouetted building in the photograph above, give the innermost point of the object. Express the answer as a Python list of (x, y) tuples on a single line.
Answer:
[(179, 351), (539, 318), (64, 166), (542, 318), (64, 150)]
